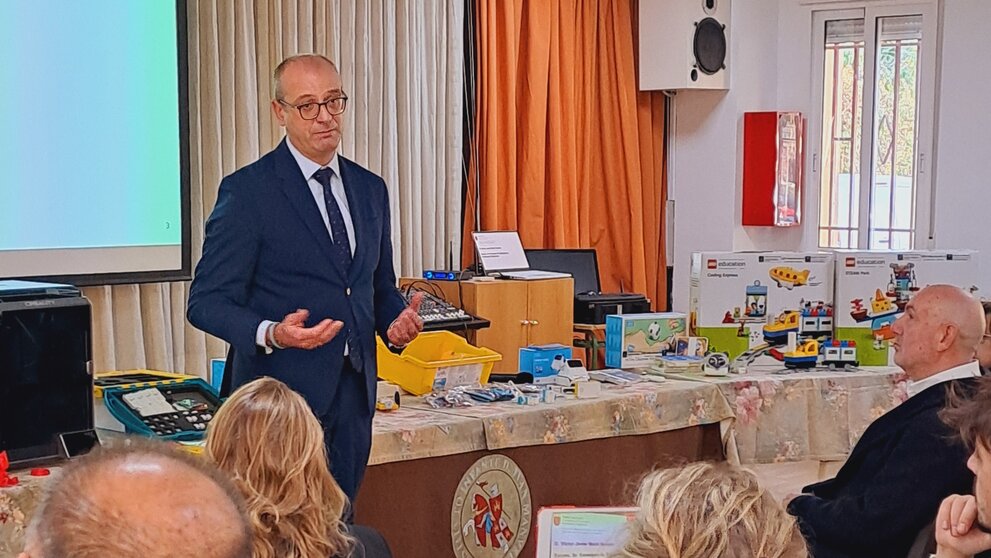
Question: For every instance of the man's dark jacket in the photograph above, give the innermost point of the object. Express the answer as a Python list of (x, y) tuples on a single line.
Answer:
[(891, 486)]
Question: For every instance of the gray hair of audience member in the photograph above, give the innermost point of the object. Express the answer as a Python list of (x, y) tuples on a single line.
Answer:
[(709, 510), (142, 500), (281, 68)]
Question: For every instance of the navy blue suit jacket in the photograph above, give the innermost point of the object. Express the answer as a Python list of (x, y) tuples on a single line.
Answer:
[(267, 252), (891, 486)]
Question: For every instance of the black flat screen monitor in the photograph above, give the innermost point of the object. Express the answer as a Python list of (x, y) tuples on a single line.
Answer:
[(46, 387), (582, 264)]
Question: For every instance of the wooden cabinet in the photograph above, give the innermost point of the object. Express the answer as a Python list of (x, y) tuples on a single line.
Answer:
[(521, 312)]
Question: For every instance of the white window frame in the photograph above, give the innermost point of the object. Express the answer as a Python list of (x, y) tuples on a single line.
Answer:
[(871, 12)]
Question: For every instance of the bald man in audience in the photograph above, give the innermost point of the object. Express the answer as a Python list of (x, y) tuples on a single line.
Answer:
[(139, 502), (907, 460)]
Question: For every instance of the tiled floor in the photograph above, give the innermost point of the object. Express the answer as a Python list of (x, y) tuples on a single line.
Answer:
[(781, 479)]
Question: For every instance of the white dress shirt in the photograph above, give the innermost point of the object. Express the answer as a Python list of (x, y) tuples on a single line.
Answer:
[(969, 370), (309, 168)]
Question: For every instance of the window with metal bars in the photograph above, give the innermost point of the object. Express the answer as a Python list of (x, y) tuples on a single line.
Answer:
[(876, 107)]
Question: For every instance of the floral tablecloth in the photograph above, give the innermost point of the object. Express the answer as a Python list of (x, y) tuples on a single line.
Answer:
[(807, 416), (643, 408), (416, 431), (17, 505)]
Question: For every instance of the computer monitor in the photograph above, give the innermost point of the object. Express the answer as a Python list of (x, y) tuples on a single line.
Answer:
[(582, 264)]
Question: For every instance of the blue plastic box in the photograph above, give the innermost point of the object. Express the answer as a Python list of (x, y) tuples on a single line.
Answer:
[(217, 373), (538, 360)]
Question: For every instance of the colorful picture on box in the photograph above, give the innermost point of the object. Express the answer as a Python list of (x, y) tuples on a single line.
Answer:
[(691, 346), (652, 335), (789, 277), (883, 308)]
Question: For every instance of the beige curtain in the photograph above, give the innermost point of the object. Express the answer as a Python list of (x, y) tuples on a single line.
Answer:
[(402, 65)]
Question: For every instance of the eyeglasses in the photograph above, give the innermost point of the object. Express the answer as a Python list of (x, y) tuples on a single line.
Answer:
[(310, 111)]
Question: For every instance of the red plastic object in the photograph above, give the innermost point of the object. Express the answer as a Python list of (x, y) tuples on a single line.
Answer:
[(40, 472), (772, 168), (5, 479)]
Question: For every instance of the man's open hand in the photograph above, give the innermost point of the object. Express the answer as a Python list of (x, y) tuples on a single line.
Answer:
[(292, 331)]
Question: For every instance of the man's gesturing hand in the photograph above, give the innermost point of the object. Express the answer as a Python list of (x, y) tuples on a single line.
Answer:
[(292, 331), (408, 325)]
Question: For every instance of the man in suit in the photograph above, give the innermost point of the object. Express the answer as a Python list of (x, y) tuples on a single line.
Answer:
[(963, 524), (297, 270), (907, 461)]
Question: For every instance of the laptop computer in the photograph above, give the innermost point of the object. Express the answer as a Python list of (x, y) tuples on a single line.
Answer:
[(582, 264), (501, 253), (591, 304)]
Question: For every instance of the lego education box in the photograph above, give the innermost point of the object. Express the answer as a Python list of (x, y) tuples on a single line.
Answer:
[(873, 287), (735, 294), (639, 340)]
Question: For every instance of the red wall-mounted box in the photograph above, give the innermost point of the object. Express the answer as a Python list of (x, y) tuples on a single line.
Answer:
[(772, 168)]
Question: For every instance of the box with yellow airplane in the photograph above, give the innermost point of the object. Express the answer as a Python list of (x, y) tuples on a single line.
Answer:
[(873, 287), (735, 294)]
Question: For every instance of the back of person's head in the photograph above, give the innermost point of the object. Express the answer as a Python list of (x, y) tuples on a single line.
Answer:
[(968, 411), (267, 439), (139, 501), (707, 510)]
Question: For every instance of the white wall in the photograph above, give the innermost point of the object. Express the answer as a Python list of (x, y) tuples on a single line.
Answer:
[(771, 49), (704, 164), (963, 138)]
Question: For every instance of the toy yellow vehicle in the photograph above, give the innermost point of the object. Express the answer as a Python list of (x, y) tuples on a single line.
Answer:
[(786, 322), (789, 277), (805, 355)]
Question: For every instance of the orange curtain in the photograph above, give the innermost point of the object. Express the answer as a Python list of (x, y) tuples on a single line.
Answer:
[(566, 150)]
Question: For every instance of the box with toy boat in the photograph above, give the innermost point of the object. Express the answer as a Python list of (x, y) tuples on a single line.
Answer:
[(872, 289), (740, 298), (639, 340)]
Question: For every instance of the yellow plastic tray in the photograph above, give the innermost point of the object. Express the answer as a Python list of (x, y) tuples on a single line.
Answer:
[(165, 378), (436, 360)]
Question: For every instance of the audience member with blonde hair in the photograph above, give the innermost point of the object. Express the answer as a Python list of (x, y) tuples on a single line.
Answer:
[(707, 510), (269, 441)]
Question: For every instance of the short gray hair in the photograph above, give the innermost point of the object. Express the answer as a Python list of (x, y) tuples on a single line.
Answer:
[(71, 521), (281, 68)]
